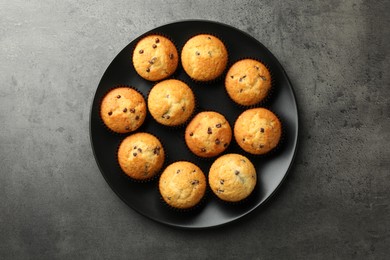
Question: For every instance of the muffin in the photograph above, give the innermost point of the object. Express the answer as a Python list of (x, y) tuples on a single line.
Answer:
[(248, 82), (208, 134), (141, 156), (257, 131), (232, 177), (155, 57), (171, 102), (204, 57), (182, 185), (123, 110)]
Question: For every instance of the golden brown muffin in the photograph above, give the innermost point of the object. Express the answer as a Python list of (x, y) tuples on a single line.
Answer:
[(204, 57), (232, 177), (123, 110), (141, 156), (257, 130), (182, 185), (171, 102), (208, 134), (155, 57), (248, 82)]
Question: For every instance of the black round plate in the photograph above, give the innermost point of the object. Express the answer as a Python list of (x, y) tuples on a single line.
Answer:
[(145, 197)]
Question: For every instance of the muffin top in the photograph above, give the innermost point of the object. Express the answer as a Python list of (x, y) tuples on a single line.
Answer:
[(123, 110), (204, 57), (257, 130), (171, 102), (155, 57), (248, 82), (141, 156), (232, 177), (182, 185), (208, 134)]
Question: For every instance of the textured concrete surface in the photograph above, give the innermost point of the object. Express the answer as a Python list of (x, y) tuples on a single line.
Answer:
[(54, 203)]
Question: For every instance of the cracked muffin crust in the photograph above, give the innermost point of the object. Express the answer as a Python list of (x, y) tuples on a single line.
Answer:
[(204, 57), (248, 82), (208, 134), (257, 131), (232, 177), (182, 185), (171, 102), (141, 156), (155, 57), (123, 110)]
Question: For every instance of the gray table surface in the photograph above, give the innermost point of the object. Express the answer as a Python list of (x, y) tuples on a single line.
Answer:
[(54, 203)]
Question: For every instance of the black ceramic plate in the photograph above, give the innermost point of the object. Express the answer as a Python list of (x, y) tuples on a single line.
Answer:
[(144, 197)]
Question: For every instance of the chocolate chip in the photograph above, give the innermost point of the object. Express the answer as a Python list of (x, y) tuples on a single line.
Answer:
[(125, 110), (154, 46), (243, 77), (243, 139), (140, 150), (241, 90), (157, 40), (169, 198), (135, 147), (220, 191), (183, 108), (191, 134), (237, 172), (197, 53), (263, 78), (262, 130), (134, 154), (256, 67), (141, 51), (232, 76), (119, 96), (217, 141), (208, 37), (225, 145), (242, 160), (137, 118), (178, 171), (132, 110), (157, 150), (193, 170), (171, 56), (218, 125), (127, 128), (110, 113), (203, 150), (151, 61), (147, 70), (222, 182), (194, 182), (262, 146), (209, 131)]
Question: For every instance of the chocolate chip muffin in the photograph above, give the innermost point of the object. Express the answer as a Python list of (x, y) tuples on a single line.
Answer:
[(204, 57), (171, 102), (208, 134), (182, 185), (232, 177), (141, 156), (257, 131), (155, 57), (123, 110), (248, 82)]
